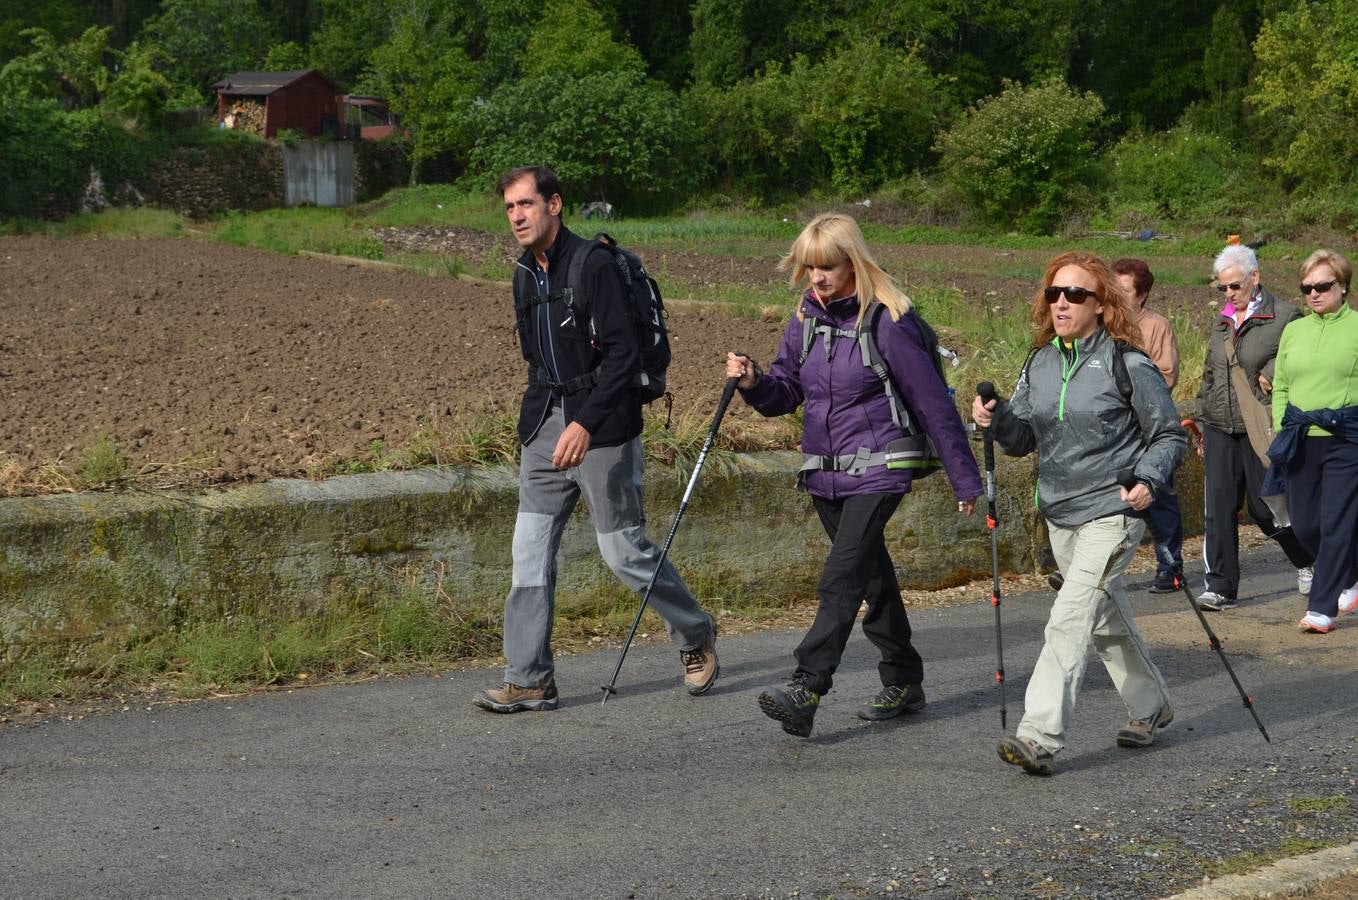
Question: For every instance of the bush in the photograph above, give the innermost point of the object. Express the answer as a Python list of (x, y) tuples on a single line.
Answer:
[(613, 135), (1022, 155), (1178, 174), (46, 156)]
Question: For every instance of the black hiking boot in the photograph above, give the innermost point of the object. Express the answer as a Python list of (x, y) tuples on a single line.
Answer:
[(891, 701), (794, 706)]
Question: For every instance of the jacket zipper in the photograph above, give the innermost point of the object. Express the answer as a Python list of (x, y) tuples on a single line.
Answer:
[(548, 407)]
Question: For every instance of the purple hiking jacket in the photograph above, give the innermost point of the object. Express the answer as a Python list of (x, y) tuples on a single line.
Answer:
[(847, 407)]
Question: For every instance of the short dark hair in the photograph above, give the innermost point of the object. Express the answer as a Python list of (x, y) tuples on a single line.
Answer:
[(1142, 279), (544, 181)]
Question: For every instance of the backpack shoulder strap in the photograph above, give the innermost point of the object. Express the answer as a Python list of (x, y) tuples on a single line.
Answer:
[(872, 358), (1120, 374)]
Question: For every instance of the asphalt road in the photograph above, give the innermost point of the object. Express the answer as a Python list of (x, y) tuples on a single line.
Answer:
[(400, 788)]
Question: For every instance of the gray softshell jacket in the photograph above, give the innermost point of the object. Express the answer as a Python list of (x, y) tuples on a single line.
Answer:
[(1256, 347), (1068, 407)]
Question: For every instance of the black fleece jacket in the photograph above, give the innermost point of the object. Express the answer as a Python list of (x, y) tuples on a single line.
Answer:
[(563, 341)]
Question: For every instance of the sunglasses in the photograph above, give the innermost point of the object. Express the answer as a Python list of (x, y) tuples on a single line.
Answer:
[(1074, 293), (1320, 287), (1233, 286)]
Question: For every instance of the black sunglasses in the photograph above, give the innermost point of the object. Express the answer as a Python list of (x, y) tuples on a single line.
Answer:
[(1074, 293), (1320, 287), (1233, 286)]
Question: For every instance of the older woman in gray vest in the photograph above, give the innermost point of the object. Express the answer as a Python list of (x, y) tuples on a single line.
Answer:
[(1238, 374)]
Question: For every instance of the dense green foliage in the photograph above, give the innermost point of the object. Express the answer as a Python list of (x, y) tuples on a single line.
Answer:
[(1021, 114)]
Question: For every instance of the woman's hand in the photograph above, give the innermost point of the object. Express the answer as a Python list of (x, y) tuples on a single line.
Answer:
[(982, 413), (741, 367), (1264, 384), (1138, 498), (966, 507)]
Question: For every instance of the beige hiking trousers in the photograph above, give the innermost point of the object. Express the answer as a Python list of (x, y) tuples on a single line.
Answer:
[(1091, 607)]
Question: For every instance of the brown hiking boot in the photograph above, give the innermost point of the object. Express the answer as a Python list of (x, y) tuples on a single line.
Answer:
[(512, 698), (700, 665), (1141, 732)]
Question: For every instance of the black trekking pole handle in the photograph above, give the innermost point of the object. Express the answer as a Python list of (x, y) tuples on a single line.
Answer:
[(1127, 479), (986, 391), (726, 395)]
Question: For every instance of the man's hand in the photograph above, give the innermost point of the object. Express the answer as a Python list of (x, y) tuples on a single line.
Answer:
[(571, 447)]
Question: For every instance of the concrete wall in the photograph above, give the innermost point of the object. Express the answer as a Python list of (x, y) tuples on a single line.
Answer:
[(95, 567)]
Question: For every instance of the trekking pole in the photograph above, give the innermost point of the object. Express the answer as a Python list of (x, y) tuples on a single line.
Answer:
[(986, 391), (1128, 480), (726, 396)]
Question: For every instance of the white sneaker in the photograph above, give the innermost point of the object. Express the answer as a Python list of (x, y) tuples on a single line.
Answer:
[(1348, 599), (1304, 576), (1214, 602), (1317, 623)]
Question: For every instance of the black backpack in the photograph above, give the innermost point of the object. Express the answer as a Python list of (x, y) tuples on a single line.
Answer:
[(927, 457), (646, 310)]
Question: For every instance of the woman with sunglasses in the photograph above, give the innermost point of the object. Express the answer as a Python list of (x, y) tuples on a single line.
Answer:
[(1315, 381), (1091, 436), (1244, 341)]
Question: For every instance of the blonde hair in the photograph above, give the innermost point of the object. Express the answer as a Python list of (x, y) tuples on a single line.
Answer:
[(1119, 319), (832, 238), (1343, 269)]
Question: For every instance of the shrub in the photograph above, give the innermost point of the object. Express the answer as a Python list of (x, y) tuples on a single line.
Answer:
[(1178, 174), (1021, 155), (613, 135)]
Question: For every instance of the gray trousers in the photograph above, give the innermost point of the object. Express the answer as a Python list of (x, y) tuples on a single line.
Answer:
[(1091, 607), (610, 480)]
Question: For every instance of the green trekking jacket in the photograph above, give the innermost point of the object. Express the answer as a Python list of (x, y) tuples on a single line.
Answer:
[(1317, 365)]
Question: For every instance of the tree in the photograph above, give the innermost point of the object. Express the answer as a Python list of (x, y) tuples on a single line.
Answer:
[(74, 73), (572, 40), (288, 56), (206, 40), (428, 82), (1305, 93)]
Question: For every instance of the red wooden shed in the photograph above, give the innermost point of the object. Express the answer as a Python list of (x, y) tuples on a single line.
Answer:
[(264, 102)]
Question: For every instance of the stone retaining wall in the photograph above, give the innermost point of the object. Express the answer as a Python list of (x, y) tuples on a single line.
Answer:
[(96, 567)]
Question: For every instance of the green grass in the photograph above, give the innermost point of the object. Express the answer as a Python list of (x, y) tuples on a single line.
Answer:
[(1333, 803), (116, 223), (290, 230)]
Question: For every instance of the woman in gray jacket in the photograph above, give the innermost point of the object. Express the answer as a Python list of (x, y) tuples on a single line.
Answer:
[(1094, 408)]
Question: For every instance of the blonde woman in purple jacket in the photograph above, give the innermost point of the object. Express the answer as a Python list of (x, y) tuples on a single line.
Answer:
[(859, 456)]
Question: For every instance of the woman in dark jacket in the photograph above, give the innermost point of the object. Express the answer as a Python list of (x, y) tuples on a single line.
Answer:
[(1093, 429), (859, 461)]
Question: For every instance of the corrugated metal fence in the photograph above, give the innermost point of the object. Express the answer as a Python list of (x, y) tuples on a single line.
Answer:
[(318, 173)]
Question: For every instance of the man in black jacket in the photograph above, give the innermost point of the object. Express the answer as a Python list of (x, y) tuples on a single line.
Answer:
[(580, 426)]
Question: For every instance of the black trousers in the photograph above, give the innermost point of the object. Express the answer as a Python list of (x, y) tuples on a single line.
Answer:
[(1235, 474), (858, 568), (1322, 498)]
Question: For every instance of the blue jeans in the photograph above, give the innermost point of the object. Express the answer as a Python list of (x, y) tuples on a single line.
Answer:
[(1166, 524)]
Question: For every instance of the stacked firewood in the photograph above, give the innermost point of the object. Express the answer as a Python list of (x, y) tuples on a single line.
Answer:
[(246, 115)]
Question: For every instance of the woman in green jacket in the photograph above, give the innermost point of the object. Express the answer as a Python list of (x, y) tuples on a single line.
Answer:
[(1317, 369)]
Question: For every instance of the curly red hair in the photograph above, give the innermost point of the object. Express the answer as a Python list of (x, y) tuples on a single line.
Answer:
[(1119, 318)]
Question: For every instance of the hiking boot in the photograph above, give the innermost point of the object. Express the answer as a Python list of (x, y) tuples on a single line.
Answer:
[(1056, 580), (1019, 751), (1141, 732), (1214, 602), (891, 701), (1165, 583), (1348, 600), (1317, 623), (512, 698), (794, 706), (1304, 577), (700, 665)]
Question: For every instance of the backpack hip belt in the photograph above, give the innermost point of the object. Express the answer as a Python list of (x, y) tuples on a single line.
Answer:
[(569, 386), (856, 464)]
